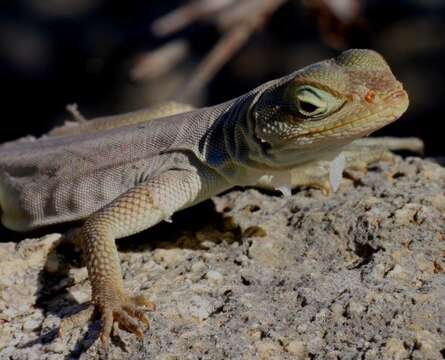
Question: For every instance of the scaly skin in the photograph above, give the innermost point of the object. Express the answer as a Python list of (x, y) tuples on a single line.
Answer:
[(96, 125), (265, 137)]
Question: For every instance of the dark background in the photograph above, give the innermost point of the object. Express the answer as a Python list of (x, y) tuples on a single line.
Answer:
[(57, 52)]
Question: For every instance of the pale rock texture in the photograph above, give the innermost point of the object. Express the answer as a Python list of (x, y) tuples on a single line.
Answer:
[(357, 275)]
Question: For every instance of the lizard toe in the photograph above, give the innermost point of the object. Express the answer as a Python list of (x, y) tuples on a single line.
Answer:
[(137, 313), (142, 301), (136, 307), (127, 323), (142, 318), (107, 326), (76, 320)]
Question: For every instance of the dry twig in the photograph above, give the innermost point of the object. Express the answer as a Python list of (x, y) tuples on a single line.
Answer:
[(237, 20)]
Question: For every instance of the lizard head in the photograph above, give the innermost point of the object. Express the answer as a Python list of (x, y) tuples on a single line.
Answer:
[(321, 108)]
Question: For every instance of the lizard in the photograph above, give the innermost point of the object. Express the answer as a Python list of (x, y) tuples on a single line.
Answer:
[(125, 177), (317, 174)]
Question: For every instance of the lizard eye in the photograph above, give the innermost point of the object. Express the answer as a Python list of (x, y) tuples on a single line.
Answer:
[(307, 107), (311, 101)]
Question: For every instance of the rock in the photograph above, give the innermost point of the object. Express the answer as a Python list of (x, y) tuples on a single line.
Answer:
[(214, 277), (400, 274), (5, 338), (297, 348), (394, 349), (355, 275), (196, 307), (169, 257), (428, 345), (355, 308), (267, 350), (31, 324), (52, 264)]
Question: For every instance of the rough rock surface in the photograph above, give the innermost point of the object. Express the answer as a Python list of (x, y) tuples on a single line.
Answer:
[(357, 275)]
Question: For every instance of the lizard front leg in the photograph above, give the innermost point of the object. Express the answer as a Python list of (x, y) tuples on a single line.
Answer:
[(139, 208), (358, 156)]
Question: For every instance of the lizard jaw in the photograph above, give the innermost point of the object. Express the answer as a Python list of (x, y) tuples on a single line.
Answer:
[(388, 110)]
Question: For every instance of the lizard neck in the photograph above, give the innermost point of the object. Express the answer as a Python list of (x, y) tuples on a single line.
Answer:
[(247, 150), (232, 150), (231, 147)]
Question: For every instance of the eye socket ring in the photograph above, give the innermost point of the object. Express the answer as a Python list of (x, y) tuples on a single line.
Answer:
[(310, 102)]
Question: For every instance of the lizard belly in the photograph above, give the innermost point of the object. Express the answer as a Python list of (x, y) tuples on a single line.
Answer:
[(38, 199), (61, 182)]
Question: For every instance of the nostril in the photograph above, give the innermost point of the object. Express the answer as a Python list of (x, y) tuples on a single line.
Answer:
[(369, 97)]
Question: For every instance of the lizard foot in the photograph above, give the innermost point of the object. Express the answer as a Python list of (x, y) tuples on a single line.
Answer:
[(123, 310)]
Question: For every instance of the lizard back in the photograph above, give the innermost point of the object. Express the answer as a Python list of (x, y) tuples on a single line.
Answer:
[(53, 180)]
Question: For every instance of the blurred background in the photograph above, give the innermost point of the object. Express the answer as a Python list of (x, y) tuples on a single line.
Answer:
[(111, 56)]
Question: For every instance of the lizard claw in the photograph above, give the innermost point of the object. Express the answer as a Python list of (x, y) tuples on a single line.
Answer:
[(127, 312)]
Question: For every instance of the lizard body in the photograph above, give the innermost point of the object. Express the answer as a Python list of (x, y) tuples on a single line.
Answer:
[(126, 175)]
